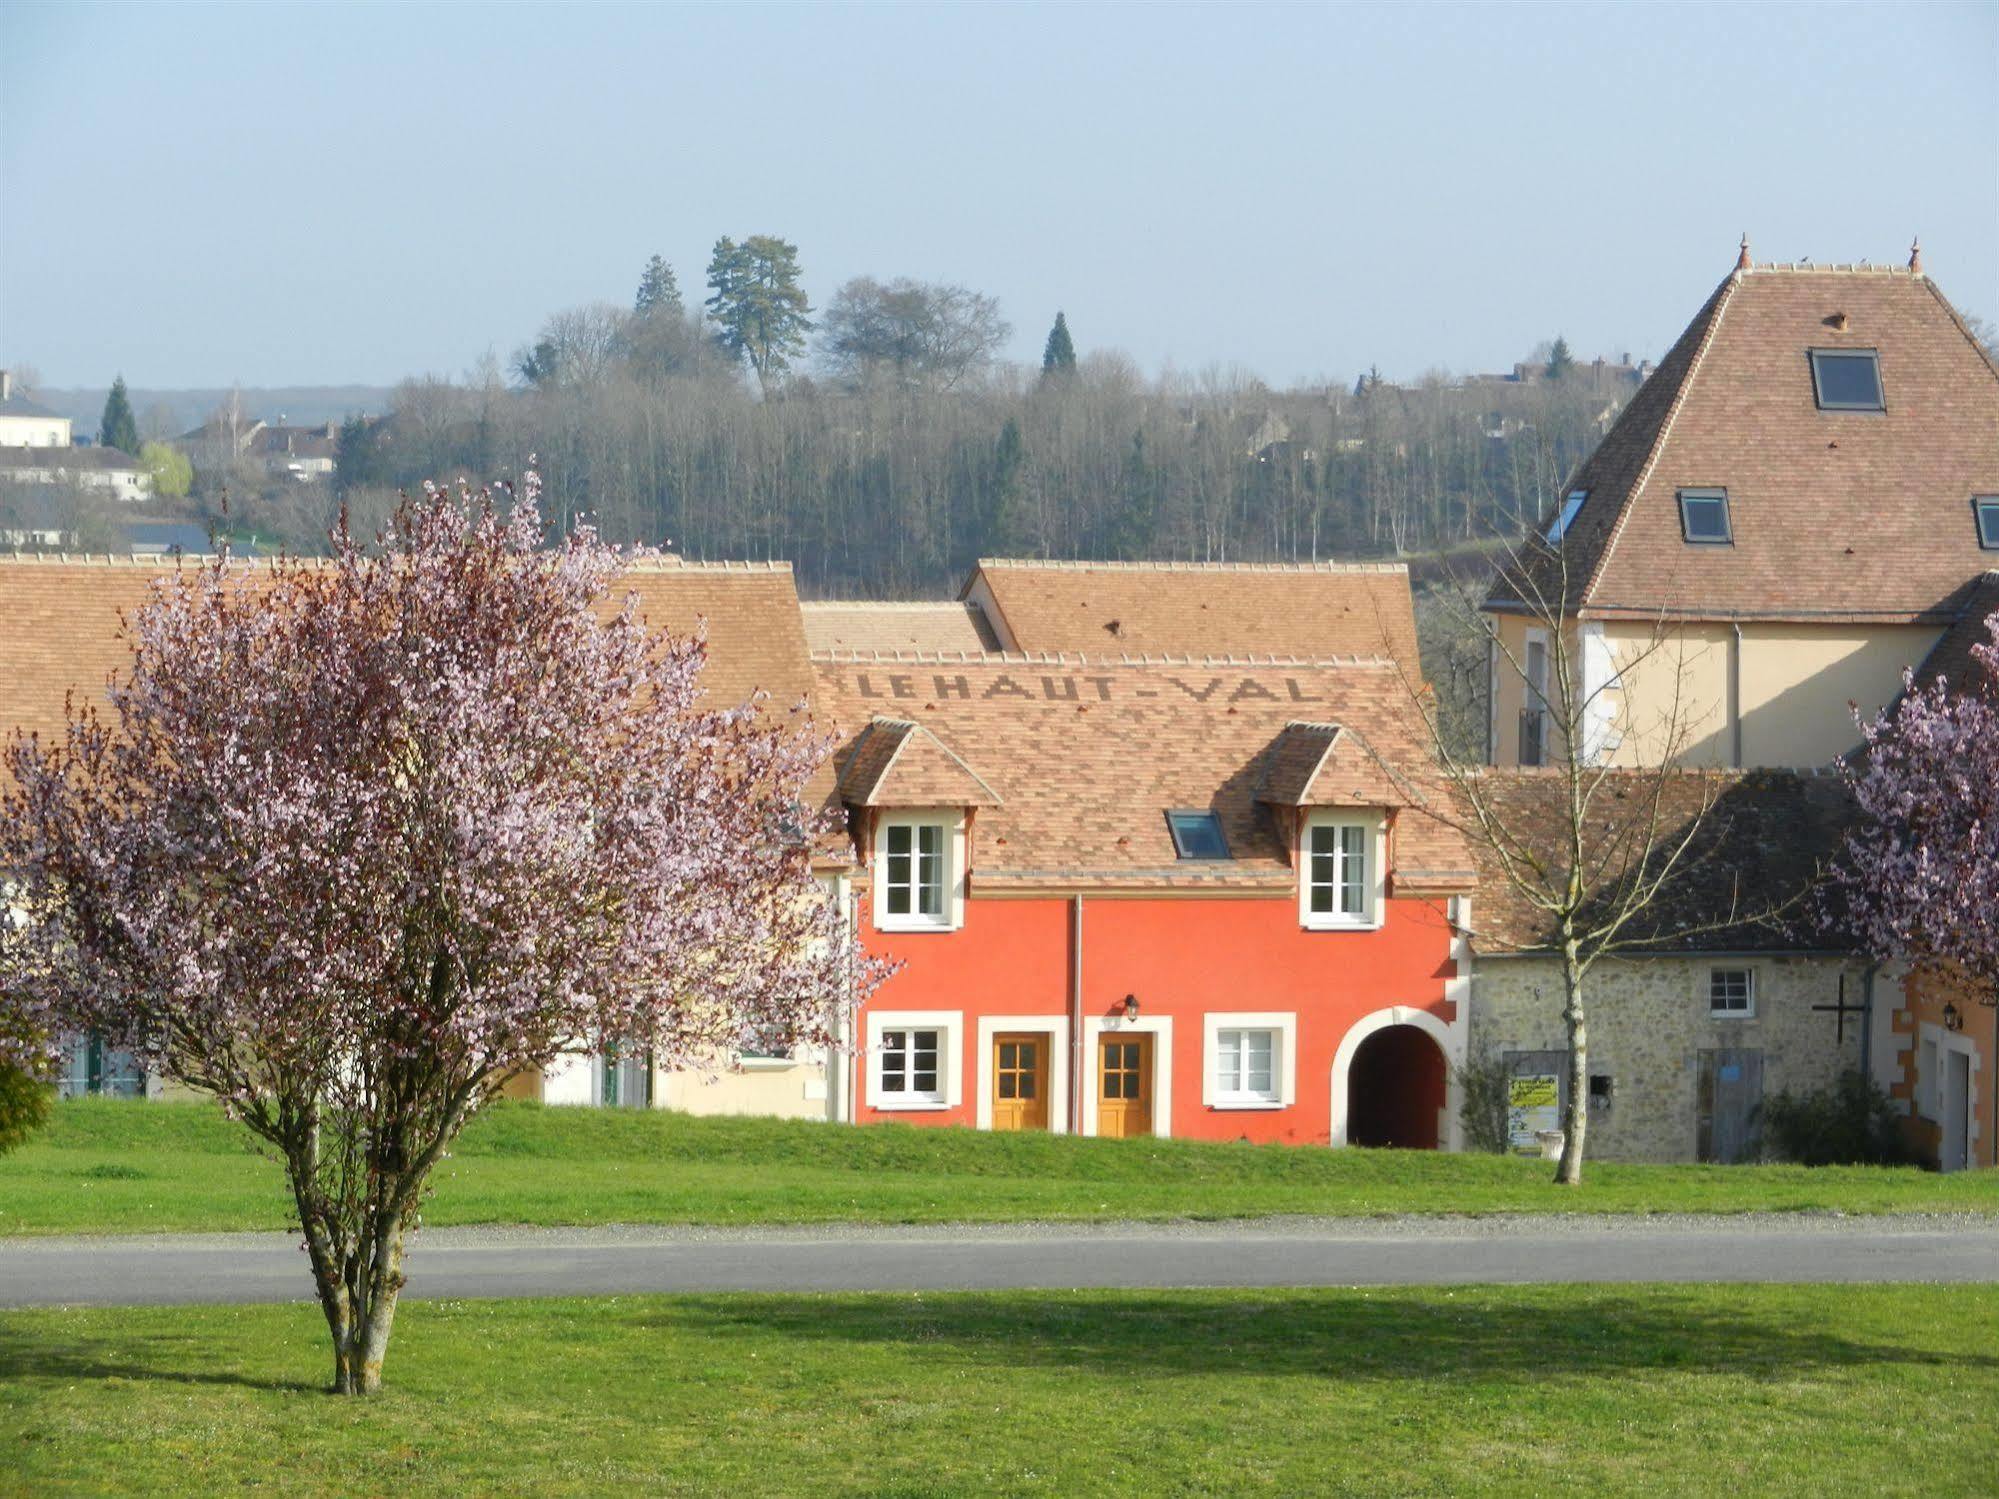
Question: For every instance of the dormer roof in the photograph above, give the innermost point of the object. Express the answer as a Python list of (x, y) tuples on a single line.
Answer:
[(1328, 765), (1835, 513), (896, 763)]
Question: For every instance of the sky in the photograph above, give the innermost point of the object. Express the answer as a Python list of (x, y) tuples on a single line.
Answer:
[(280, 194)]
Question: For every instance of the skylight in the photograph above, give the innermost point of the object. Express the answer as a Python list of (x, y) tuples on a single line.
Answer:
[(1847, 379), (1197, 835), (1704, 516), (1569, 508), (1987, 508)]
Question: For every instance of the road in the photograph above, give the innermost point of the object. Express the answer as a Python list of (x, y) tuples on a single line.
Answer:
[(476, 1262)]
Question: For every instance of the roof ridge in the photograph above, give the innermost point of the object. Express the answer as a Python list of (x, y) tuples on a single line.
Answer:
[(955, 606), (1079, 564), (702, 565), (1723, 295), (845, 655), (1829, 268)]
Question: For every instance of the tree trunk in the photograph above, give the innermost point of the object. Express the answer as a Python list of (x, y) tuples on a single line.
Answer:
[(1575, 1108)]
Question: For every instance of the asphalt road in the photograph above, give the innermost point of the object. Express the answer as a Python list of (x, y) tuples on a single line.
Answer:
[(113, 1271)]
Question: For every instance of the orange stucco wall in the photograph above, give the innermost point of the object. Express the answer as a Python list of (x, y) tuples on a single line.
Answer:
[(1181, 957), (1925, 993)]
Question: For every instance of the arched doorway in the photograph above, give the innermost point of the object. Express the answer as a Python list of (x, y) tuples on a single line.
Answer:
[(1395, 1090)]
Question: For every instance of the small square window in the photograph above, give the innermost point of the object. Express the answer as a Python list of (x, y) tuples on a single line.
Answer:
[(1197, 835), (1338, 882), (1704, 516), (909, 1065), (1986, 507), (1567, 516), (914, 875), (1731, 992), (1245, 1066), (1847, 379)]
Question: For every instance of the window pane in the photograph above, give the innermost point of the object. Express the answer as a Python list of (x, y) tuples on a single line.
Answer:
[(895, 1061), (926, 1082), (1006, 1082), (1704, 515), (930, 869), (1353, 871), (1848, 380), (1026, 1084), (1228, 1058), (1197, 835), (1988, 521)]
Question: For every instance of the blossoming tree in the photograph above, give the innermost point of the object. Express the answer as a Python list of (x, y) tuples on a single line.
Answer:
[(1919, 879), (360, 840)]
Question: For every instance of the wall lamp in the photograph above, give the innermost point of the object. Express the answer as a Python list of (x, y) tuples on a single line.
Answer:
[(1131, 1007), (1953, 1018)]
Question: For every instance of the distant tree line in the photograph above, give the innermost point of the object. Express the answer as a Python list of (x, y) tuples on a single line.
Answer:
[(881, 443)]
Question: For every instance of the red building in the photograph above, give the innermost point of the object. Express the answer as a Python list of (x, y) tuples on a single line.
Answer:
[(1179, 896)]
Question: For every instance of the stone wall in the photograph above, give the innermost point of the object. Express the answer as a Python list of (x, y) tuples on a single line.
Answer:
[(1648, 1022)]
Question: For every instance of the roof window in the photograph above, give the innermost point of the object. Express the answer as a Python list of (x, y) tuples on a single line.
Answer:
[(1847, 379), (1570, 507), (1197, 835), (1986, 506), (1704, 516)]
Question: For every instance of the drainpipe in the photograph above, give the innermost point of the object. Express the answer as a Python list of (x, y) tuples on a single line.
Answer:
[(1735, 693), (1867, 1021), (1075, 1014)]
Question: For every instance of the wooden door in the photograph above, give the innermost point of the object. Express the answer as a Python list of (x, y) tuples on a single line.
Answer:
[(1731, 1092), (1124, 1085), (1020, 1082)]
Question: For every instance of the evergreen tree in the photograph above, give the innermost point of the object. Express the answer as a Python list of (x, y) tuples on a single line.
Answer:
[(1058, 355), (760, 310), (119, 428), (1560, 361), (1003, 499), (659, 291)]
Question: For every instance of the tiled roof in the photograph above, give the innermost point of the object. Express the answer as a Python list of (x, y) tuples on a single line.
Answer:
[(101, 459), (1835, 514), (922, 625), (896, 763), (59, 628), (1763, 840), (1951, 658), (1086, 755), (20, 405), (1313, 610)]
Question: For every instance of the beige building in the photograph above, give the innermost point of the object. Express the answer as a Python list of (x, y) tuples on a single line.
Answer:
[(1787, 516)]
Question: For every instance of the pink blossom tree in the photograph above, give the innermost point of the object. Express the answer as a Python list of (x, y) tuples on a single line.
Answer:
[(358, 841), (1919, 879)]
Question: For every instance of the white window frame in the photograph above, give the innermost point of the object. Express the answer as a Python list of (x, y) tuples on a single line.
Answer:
[(1748, 1012), (1283, 1025), (1373, 873), (952, 914), (950, 1028)]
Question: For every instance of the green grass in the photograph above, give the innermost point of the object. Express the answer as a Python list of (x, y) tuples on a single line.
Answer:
[(105, 1166), (1747, 1390)]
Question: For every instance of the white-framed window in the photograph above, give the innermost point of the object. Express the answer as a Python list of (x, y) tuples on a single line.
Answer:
[(913, 1059), (1340, 881), (918, 859), (1249, 1059), (1534, 701), (1731, 993)]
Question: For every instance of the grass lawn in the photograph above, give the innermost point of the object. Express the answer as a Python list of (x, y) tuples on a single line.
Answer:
[(1677, 1390), (108, 1166)]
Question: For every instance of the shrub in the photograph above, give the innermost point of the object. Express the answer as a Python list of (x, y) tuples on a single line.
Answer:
[(24, 1106), (1849, 1123), (1484, 1103)]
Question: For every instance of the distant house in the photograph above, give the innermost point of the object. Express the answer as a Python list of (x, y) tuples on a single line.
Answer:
[(301, 453), (36, 517), (107, 470), (225, 436), (25, 424)]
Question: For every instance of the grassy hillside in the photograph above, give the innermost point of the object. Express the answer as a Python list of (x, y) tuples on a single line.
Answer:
[(105, 1166)]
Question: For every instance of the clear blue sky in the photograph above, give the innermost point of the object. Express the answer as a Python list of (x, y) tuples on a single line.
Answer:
[(318, 194)]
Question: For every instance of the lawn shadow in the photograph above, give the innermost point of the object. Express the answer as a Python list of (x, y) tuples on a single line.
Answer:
[(148, 1358), (1340, 1335)]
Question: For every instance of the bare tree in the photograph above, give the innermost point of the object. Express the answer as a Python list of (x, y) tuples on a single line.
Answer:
[(914, 333), (1601, 845)]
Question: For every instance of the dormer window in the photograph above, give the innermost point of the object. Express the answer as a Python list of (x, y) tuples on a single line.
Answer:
[(1704, 516), (1847, 379), (1197, 835), (1986, 508), (1341, 880), (1566, 518), (916, 858)]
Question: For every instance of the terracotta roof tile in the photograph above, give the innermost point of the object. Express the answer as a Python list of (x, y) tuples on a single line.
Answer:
[(1086, 755), (1315, 611), (896, 763), (1951, 658), (1853, 514), (942, 625)]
